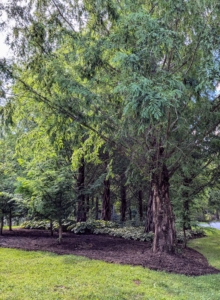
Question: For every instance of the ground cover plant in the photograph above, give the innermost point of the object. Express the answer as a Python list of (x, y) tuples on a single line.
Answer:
[(43, 275), (126, 231)]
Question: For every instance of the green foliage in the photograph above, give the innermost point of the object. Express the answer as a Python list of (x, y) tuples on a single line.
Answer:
[(91, 226), (128, 233), (190, 234), (43, 224), (89, 80)]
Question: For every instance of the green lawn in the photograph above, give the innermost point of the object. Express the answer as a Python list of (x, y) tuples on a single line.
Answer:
[(39, 275)]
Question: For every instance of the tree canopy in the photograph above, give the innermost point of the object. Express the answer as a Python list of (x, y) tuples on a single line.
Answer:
[(134, 78)]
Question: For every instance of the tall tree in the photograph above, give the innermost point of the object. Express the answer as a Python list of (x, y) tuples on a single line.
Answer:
[(138, 76)]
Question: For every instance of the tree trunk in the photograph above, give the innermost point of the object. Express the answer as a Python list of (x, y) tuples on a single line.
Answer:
[(186, 215), (217, 214), (51, 227), (87, 203), (149, 226), (186, 201), (140, 204), (1, 225), (81, 212), (10, 221), (163, 218), (97, 208), (60, 232), (123, 202), (106, 207)]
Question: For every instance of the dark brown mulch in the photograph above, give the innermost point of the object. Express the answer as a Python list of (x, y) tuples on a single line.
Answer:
[(109, 249)]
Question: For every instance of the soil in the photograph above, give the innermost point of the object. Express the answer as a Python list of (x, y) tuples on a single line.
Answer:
[(110, 249)]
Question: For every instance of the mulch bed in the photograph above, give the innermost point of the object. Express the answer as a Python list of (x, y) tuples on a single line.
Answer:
[(109, 249)]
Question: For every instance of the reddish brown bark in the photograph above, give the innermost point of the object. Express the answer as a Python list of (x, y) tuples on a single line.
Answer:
[(161, 214)]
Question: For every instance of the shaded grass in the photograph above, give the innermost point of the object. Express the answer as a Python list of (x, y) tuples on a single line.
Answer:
[(42, 275)]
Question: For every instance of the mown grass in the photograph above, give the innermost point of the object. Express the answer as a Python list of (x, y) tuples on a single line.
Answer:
[(42, 275), (209, 246)]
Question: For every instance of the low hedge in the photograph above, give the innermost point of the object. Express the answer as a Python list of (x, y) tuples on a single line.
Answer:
[(110, 228)]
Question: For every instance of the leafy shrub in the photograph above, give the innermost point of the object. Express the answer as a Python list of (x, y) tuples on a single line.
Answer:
[(129, 233), (190, 234), (110, 228), (90, 226), (43, 224)]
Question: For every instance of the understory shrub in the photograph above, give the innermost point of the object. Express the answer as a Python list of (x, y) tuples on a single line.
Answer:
[(110, 228), (129, 233), (90, 226), (45, 224)]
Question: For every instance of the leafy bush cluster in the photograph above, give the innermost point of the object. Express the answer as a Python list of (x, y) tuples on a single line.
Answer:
[(193, 233), (91, 226), (43, 224), (129, 233), (110, 228)]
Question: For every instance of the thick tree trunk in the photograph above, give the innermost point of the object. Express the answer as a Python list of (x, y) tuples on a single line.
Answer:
[(123, 202), (97, 208), (106, 207), (1, 225), (10, 221), (140, 204), (81, 211), (160, 208)]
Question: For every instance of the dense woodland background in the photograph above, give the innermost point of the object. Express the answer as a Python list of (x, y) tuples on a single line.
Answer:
[(110, 110)]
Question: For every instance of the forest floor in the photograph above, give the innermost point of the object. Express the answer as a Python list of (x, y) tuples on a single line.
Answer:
[(110, 249)]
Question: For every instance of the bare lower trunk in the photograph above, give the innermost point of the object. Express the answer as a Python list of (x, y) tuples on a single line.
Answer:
[(140, 204), (51, 227), (186, 215), (217, 214), (160, 210), (186, 201), (149, 226), (87, 203), (10, 221), (81, 211), (97, 208), (60, 232), (106, 207), (1, 225), (123, 202)]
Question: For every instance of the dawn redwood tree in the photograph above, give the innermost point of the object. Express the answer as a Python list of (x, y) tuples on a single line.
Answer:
[(139, 76)]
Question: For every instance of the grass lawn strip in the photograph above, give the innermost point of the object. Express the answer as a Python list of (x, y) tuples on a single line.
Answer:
[(40, 275)]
